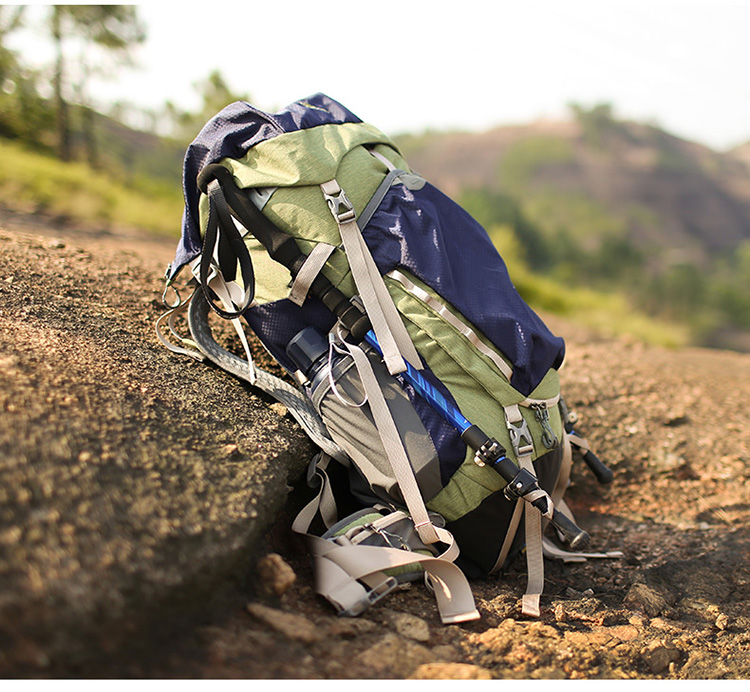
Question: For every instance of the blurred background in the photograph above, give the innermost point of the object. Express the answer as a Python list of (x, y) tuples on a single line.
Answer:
[(605, 146)]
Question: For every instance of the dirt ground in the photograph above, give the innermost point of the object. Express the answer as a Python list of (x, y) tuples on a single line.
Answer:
[(673, 426)]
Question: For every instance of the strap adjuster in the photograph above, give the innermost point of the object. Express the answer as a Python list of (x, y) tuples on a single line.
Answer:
[(371, 597)]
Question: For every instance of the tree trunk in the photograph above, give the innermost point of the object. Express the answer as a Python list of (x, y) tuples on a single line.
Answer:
[(61, 106)]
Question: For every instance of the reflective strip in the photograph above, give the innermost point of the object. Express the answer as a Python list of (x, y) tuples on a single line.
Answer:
[(451, 319)]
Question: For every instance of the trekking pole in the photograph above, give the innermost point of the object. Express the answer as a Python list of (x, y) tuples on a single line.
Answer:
[(602, 472), (520, 484)]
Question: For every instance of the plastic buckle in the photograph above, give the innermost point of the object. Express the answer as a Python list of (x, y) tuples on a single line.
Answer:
[(337, 202), (372, 596)]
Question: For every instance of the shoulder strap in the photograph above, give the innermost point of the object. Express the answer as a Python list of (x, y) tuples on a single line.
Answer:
[(294, 399), (384, 317)]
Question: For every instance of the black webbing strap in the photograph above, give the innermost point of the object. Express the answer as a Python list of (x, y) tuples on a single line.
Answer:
[(231, 254), (282, 247)]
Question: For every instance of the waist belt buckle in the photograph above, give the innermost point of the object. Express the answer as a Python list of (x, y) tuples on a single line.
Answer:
[(372, 596)]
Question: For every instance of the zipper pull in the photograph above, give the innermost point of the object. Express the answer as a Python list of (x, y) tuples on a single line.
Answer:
[(549, 439)]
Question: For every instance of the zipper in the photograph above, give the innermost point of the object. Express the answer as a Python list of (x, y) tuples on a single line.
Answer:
[(541, 413)]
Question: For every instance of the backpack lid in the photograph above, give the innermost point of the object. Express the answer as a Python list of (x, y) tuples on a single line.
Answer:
[(230, 134)]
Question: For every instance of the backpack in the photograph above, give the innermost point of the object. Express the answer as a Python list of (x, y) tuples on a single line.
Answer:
[(410, 360)]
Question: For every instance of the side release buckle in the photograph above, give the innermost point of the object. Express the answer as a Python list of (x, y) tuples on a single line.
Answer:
[(371, 597)]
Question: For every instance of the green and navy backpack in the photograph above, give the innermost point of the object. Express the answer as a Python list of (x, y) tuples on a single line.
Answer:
[(410, 359)]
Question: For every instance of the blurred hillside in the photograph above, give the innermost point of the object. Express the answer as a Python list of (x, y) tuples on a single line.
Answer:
[(597, 178), (612, 205)]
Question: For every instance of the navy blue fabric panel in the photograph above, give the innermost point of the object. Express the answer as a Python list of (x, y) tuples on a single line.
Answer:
[(231, 133), (430, 236), (276, 323), (314, 111)]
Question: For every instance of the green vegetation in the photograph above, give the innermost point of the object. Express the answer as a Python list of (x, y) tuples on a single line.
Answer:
[(609, 285), (529, 155), (598, 124), (38, 182), (606, 312), (62, 157)]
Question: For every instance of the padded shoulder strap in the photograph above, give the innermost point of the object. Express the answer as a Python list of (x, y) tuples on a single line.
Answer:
[(295, 400)]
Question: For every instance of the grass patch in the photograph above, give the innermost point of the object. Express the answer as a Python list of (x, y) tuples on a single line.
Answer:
[(609, 314), (33, 182)]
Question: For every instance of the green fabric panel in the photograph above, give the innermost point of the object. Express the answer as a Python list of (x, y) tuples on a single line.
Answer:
[(271, 278), (306, 157), (297, 162), (480, 397), (301, 210), (485, 373)]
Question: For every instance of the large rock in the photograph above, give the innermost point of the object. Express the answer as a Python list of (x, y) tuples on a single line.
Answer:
[(134, 484)]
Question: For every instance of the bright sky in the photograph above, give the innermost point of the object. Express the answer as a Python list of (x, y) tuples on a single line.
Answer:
[(410, 64)]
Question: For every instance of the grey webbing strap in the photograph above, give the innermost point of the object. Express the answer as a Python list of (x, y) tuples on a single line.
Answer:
[(170, 317), (379, 196), (515, 520), (524, 449), (394, 448), (338, 567), (323, 503), (580, 442), (563, 478), (534, 554), (384, 317), (554, 552), (342, 571), (412, 181), (310, 269)]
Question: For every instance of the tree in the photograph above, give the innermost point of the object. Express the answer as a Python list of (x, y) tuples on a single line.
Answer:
[(597, 122), (11, 18), (24, 114), (215, 94), (114, 28)]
